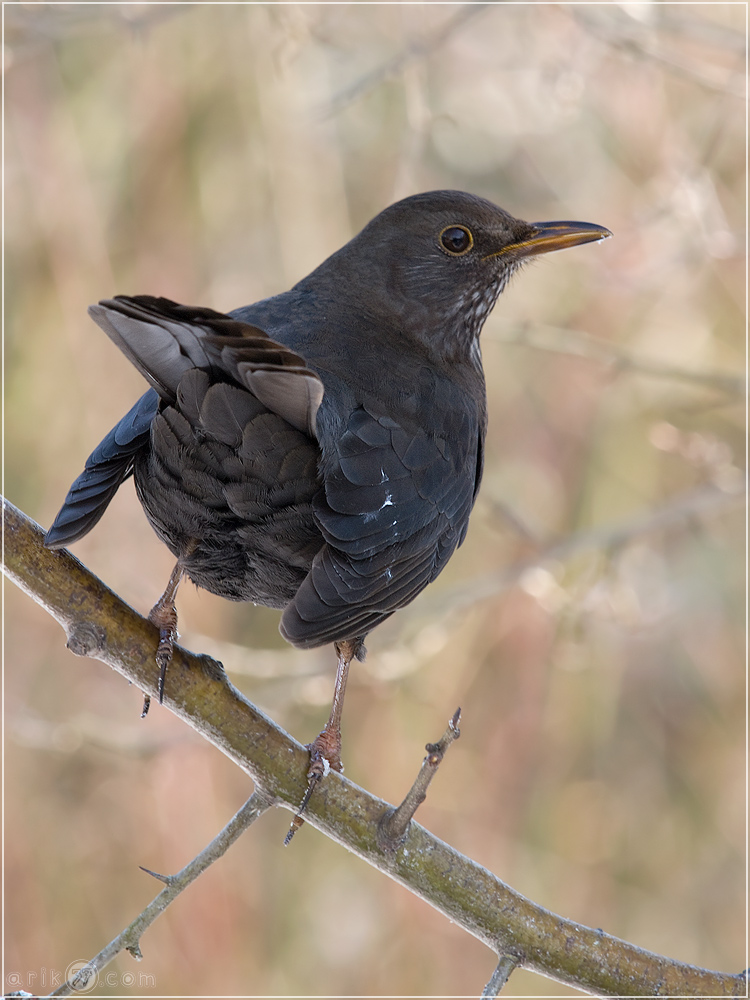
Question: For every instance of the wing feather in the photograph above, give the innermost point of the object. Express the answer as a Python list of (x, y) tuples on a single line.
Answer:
[(164, 340), (395, 504)]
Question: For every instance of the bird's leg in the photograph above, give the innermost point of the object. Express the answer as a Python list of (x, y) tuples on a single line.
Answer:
[(164, 616), (325, 749)]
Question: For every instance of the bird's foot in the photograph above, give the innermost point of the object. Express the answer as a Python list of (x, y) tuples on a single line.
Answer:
[(164, 616), (165, 619), (325, 756)]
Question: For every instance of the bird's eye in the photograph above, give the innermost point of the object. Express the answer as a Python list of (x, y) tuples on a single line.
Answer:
[(457, 240)]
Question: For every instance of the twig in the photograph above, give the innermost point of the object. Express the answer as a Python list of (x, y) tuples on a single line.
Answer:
[(500, 976), (466, 892), (395, 823), (129, 938)]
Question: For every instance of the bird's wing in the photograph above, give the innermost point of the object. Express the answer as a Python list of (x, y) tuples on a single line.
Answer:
[(164, 340), (109, 465), (395, 505)]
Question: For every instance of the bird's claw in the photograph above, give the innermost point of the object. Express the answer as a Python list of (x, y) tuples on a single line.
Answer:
[(167, 637), (164, 652), (325, 756), (164, 616)]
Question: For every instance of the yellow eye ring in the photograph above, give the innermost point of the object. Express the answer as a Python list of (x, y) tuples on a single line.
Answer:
[(456, 240)]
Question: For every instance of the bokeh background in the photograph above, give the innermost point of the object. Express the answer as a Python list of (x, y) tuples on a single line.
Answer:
[(592, 625)]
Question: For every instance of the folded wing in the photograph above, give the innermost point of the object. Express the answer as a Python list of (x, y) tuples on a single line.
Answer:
[(393, 510)]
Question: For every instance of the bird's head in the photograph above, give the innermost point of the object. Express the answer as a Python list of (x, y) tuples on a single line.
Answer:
[(442, 258)]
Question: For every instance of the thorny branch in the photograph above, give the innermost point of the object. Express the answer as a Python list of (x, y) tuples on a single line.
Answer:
[(99, 624), (129, 938)]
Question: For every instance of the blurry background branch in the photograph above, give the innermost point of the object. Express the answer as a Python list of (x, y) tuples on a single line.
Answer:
[(418, 48), (706, 501), (644, 39), (98, 624), (580, 344)]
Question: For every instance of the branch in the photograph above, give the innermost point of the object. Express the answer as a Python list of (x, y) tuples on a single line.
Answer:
[(99, 624), (129, 938), (499, 977), (395, 823)]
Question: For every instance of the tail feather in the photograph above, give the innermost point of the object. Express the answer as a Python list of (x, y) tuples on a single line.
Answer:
[(108, 466)]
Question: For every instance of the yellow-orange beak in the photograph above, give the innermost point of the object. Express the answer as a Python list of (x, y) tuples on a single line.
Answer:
[(560, 235), (548, 236)]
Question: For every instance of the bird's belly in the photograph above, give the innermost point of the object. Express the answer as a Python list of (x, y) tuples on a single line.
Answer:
[(264, 563)]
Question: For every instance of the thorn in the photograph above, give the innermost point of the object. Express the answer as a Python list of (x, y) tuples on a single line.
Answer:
[(146, 705), (166, 879)]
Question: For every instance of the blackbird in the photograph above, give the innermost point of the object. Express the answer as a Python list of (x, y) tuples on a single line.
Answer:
[(319, 451)]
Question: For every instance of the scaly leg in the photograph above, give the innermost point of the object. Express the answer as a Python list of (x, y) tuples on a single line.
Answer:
[(164, 616), (325, 750)]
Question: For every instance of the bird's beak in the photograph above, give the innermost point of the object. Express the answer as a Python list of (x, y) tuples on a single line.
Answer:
[(547, 236)]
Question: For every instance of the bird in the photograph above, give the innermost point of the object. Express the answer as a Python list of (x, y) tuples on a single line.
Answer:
[(319, 451)]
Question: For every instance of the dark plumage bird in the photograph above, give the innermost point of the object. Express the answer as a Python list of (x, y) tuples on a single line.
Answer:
[(319, 451)]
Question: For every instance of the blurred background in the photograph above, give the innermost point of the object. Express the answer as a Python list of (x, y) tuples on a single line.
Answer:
[(592, 625)]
